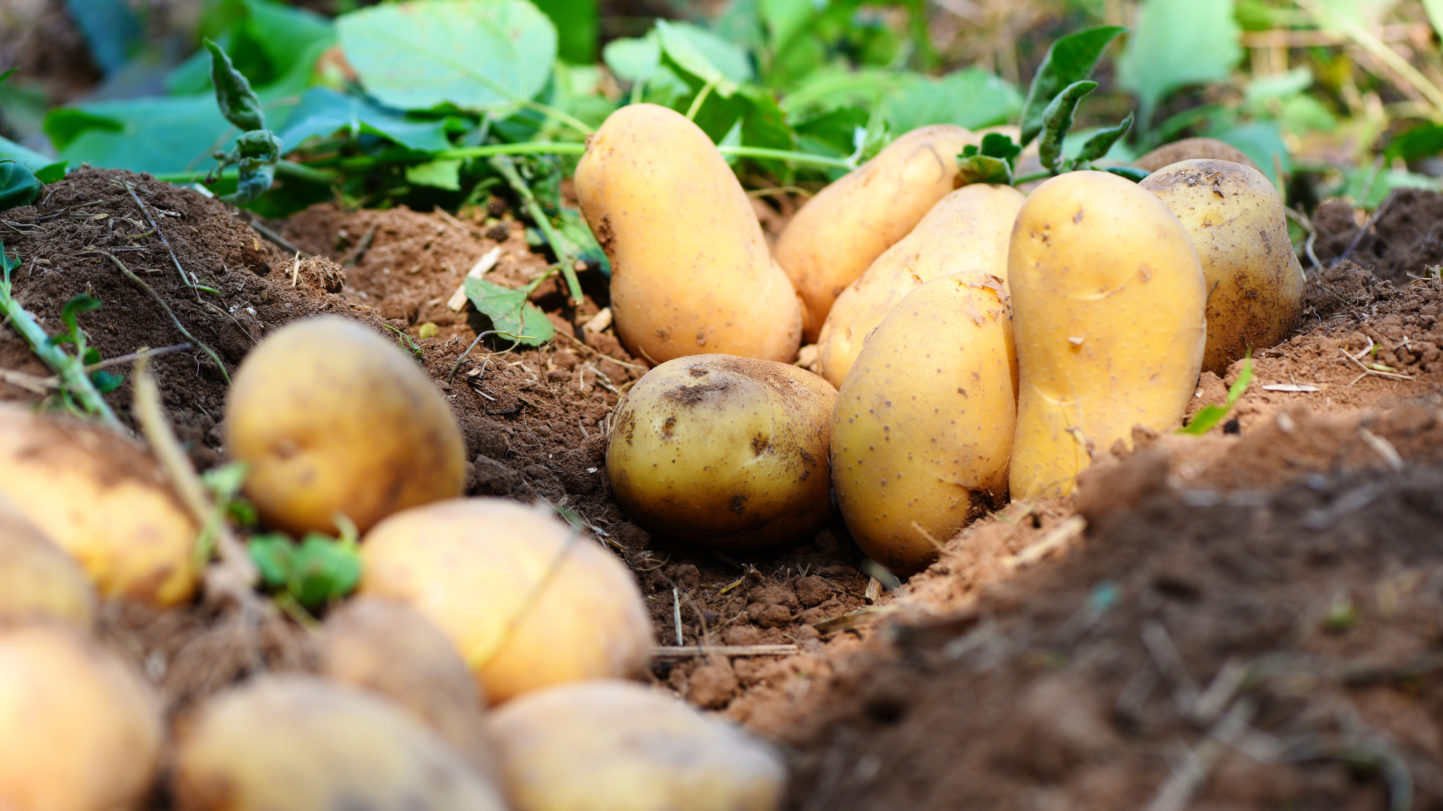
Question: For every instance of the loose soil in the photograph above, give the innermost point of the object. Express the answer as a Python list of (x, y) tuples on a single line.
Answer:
[(1250, 619)]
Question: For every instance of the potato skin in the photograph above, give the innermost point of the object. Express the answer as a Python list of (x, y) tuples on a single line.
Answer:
[(1107, 309), (527, 600), (1237, 223), (691, 271), (723, 451), (104, 501), (37, 579), (625, 747), (1192, 148), (79, 729), (295, 743), (966, 232), (848, 224), (923, 425), (333, 418)]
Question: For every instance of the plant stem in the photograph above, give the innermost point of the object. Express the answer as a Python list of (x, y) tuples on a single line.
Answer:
[(291, 169), (533, 208)]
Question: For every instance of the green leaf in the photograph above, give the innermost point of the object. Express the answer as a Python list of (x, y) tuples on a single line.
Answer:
[(1209, 416), (578, 24), (440, 174), (1057, 120), (110, 30), (983, 169), (510, 313), (1422, 141), (476, 55), (1262, 142), (18, 185), (1100, 143), (256, 154), (144, 135), (971, 98), (830, 88), (633, 59), (70, 315), (1130, 172), (274, 45), (705, 55), (1176, 44), (1070, 59), (238, 102), (26, 157), (323, 570), (272, 555), (1368, 187), (323, 112), (106, 381)]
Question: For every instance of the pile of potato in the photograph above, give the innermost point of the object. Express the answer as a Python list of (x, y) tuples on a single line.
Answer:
[(977, 343)]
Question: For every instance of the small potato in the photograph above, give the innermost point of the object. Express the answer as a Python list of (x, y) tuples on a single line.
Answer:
[(528, 600), (843, 229), (1237, 223), (104, 501), (967, 232), (333, 418), (724, 452), (1107, 312), (37, 579), (293, 743), (625, 747), (79, 729), (691, 272), (1190, 148), (923, 425)]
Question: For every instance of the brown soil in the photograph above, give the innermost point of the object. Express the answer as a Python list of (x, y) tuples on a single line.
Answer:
[(1251, 619)]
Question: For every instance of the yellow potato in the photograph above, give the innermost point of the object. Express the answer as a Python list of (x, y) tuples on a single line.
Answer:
[(104, 501), (1190, 148), (334, 418), (528, 600), (79, 729), (625, 747), (923, 425), (843, 229), (723, 451), (1237, 223), (1107, 309), (293, 743), (37, 579), (691, 272), (967, 232)]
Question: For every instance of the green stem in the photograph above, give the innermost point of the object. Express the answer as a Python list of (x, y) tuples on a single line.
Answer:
[(700, 99), (784, 155), (533, 208), (299, 171), (1018, 181)]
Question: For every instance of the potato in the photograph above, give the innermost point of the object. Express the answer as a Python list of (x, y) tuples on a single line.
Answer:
[(923, 425), (1190, 148), (394, 651), (104, 501), (37, 579), (967, 232), (1107, 311), (691, 271), (1237, 223), (625, 747), (848, 224), (292, 742), (334, 418), (79, 729), (528, 600), (724, 452)]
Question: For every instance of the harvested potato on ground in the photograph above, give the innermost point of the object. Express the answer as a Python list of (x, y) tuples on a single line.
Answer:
[(1107, 312), (1190, 148), (625, 747), (967, 232), (290, 742), (528, 600), (691, 272), (1237, 223), (393, 650), (79, 729), (724, 451), (923, 425), (843, 229), (334, 418), (37, 579), (103, 500)]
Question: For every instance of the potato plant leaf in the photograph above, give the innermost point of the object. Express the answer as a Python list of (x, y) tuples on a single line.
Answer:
[(1069, 60), (1177, 44), (511, 314), (1101, 142), (238, 102), (1130, 172), (272, 555), (1057, 120), (18, 185), (994, 161), (323, 570), (1209, 416)]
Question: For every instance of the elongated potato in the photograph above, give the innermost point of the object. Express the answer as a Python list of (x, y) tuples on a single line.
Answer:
[(37, 579), (1237, 223), (1107, 308), (104, 501), (967, 232), (923, 425), (691, 272), (843, 229), (723, 451)]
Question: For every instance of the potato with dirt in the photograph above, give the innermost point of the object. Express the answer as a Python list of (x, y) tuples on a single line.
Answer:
[(104, 501), (1237, 223), (843, 229), (80, 730), (640, 749), (724, 452), (528, 600), (37, 579), (296, 743), (1191, 149), (691, 271), (923, 426), (334, 419), (966, 232), (1108, 315)]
